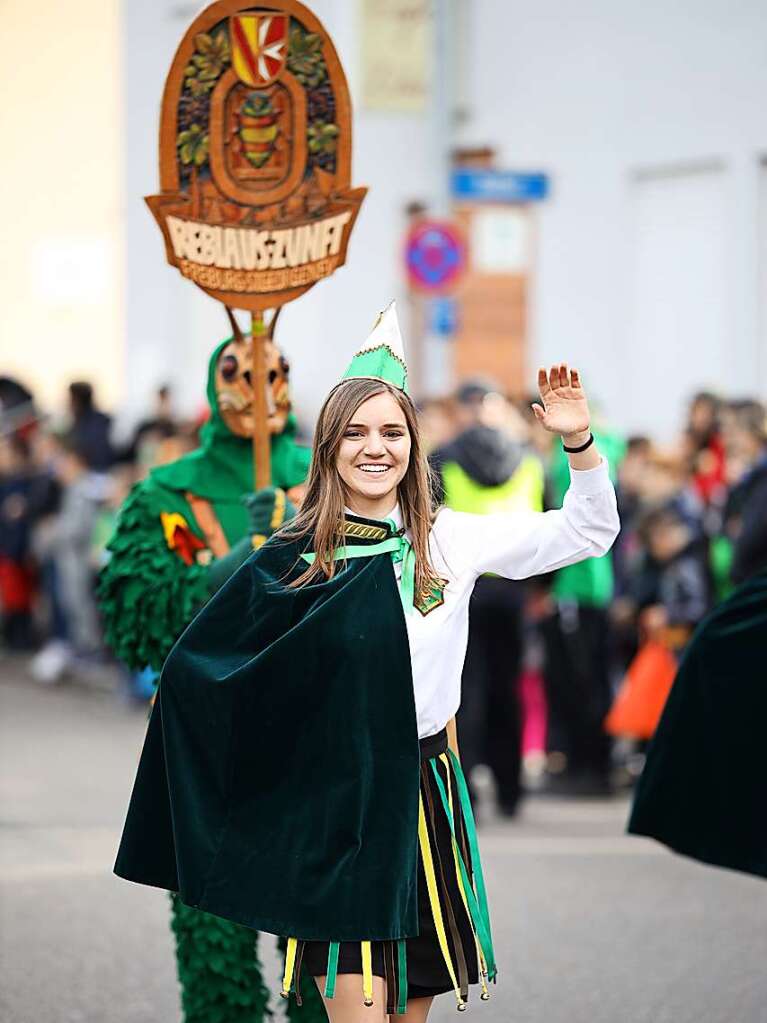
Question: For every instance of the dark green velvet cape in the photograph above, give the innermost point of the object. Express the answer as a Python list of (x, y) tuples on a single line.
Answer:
[(278, 784), (703, 791)]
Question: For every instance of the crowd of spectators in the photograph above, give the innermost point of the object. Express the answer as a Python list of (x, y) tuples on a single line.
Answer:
[(591, 650), (61, 485), (545, 658)]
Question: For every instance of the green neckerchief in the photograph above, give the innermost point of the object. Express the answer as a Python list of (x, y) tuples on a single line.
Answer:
[(398, 546)]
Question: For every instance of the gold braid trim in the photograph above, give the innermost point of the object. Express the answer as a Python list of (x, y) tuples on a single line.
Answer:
[(363, 532)]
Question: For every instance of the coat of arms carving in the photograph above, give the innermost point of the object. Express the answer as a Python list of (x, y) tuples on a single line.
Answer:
[(256, 203)]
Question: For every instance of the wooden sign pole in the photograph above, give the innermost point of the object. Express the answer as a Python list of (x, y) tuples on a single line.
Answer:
[(262, 470)]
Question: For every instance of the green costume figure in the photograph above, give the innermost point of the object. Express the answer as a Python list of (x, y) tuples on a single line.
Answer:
[(180, 534)]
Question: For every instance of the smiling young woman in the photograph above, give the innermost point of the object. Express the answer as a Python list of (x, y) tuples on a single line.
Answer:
[(302, 720), (374, 454)]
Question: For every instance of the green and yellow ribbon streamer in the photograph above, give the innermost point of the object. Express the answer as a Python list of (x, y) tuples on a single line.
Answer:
[(477, 899), (436, 909), (483, 972), (402, 976), (330, 978), (367, 972), (290, 962)]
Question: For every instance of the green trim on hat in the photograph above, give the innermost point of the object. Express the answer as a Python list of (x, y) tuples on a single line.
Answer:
[(379, 363), (382, 356)]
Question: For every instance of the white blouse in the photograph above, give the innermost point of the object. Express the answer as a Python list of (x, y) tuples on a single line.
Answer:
[(515, 545)]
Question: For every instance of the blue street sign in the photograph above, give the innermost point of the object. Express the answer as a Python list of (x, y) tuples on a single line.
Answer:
[(443, 316), (498, 186)]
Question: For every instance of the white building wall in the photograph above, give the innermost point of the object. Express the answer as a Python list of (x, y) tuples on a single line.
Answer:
[(598, 94), (61, 239)]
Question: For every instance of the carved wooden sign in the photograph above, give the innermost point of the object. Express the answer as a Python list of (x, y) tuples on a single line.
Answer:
[(256, 203)]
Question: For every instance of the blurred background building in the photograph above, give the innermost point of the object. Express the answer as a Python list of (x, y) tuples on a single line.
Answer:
[(647, 259)]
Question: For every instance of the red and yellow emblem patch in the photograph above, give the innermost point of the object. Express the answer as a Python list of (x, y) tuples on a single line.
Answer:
[(180, 538), (259, 46)]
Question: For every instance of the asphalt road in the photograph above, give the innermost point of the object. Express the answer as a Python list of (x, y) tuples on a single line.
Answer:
[(590, 926)]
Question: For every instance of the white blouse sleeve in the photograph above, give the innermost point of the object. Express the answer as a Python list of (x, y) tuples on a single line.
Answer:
[(517, 545)]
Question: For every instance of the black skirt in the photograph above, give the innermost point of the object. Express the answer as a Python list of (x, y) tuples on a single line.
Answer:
[(453, 949)]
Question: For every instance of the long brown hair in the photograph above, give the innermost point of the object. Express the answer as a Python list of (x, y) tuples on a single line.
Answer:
[(322, 510)]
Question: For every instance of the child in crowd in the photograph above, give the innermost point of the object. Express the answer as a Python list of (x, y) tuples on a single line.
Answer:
[(63, 543), (670, 593), (17, 577)]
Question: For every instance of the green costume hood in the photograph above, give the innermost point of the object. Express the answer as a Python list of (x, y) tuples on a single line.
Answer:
[(221, 469), (278, 786)]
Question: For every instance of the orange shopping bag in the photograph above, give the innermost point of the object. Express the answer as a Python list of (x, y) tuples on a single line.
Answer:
[(639, 703)]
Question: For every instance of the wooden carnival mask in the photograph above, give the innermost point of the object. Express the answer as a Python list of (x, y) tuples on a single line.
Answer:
[(234, 392)]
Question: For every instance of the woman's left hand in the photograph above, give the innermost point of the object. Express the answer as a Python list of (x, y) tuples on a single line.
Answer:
[(563, 409)]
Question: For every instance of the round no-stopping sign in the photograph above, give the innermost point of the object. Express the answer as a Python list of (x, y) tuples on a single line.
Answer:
[(434, 254)]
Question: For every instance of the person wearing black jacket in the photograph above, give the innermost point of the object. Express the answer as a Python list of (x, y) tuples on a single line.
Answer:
[(745, 513), (90, 429), (485, 470)]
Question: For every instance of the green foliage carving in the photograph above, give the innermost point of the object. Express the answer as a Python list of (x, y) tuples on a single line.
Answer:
[(305, 59), (212, 54), (193, 146), (322, 138)]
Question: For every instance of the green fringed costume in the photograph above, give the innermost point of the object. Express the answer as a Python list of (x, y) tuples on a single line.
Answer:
[(703, 791), (160, 573)]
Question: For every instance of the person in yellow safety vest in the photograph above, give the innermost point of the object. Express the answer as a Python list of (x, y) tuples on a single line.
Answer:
[(489, 469)]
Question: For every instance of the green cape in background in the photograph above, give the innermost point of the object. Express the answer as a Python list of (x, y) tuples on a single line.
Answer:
[(278, 786), (703, 791)]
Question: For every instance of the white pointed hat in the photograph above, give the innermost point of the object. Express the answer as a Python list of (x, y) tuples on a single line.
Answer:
[(382, 356)]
